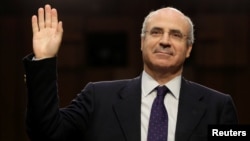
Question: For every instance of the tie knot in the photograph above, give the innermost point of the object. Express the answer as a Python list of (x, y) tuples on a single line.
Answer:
[(162, 90)]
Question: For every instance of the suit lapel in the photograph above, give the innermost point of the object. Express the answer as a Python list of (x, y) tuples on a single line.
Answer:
[(190, 112), (128, 110)]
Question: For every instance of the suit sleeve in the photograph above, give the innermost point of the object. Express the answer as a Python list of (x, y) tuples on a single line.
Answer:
[(229, 114), (44, 119)]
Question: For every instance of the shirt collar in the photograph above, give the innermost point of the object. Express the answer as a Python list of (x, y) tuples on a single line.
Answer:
[(148, 85)]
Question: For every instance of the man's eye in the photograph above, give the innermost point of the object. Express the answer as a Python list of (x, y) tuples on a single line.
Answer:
[(156, 32), (178, 35)]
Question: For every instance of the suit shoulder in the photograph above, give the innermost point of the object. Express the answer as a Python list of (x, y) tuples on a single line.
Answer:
[(112, 84), (204, 89)]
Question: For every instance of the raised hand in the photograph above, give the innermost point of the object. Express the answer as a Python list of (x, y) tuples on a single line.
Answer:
[(47, 33)]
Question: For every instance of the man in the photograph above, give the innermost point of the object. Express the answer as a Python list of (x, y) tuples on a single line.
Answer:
[(120, 110)]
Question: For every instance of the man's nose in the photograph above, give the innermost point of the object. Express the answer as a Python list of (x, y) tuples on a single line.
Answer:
[(165, 39)]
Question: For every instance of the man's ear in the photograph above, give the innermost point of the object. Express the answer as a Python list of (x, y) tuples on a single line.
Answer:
[(190, 47), (142, 42)]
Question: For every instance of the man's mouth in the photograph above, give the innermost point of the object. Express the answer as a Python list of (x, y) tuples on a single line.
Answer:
[(166, 51)]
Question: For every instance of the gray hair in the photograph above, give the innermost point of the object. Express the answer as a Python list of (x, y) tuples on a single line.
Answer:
[(190, 39)]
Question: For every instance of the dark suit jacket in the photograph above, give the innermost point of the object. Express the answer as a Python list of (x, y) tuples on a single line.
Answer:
[(110, 110)]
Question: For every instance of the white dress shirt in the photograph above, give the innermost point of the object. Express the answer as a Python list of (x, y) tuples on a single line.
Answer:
[(171, 103)]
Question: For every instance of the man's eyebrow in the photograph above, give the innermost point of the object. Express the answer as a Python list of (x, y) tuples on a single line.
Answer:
[(157, 28), (175, 31), (170, 30)]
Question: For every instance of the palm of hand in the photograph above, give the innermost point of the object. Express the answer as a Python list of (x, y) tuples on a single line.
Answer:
[(46, 43)]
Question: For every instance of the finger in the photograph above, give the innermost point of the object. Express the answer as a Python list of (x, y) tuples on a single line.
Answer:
[(54, 18), (34, 24), (41, 18), (47, 15), (60, 27)]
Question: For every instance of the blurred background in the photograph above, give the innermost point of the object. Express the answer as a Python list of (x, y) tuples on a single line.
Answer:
[(102, 42)]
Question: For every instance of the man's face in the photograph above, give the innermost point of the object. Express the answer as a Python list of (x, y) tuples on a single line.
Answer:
[(164, 46)]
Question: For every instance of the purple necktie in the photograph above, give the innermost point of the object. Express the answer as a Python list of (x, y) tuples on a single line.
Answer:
[(158, 123)]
